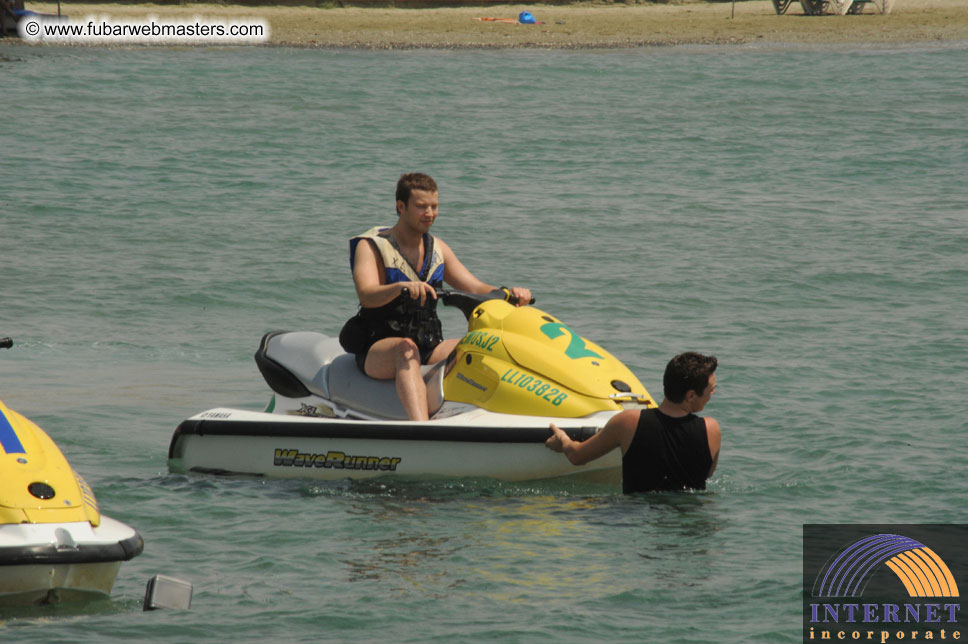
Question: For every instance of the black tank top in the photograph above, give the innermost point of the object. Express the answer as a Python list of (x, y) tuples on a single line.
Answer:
[(666, 453)]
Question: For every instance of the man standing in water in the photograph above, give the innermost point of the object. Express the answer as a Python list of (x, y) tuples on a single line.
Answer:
[(669, 448), (396, 272)]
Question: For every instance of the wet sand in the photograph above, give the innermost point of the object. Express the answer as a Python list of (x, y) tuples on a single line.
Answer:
[(572, 26)]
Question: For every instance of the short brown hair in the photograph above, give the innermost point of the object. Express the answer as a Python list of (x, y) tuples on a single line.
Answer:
[(414, 181), (687, 372)]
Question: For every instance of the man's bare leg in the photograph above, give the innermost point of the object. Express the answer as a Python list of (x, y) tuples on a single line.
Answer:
[(399, 359), (442, 350)]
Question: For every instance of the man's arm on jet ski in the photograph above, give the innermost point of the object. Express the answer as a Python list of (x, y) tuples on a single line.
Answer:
[(618, 432), (460, 277)]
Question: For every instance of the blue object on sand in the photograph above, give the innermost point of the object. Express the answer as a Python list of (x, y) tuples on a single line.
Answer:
[(525, 18)]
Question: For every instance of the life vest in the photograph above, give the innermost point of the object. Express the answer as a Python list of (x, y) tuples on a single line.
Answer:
[(396, 266), (403, 316)]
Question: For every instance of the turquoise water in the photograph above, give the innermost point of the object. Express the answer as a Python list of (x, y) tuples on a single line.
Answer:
[(799, 212)]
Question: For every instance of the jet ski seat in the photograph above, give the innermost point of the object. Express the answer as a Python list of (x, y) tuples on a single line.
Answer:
[(351, 388), (300, 364)]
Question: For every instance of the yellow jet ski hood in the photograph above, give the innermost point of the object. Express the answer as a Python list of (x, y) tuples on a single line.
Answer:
[(542, 343), (38, 484)]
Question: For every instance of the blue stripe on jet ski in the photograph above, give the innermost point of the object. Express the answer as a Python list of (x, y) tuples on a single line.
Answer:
[(8, 438)]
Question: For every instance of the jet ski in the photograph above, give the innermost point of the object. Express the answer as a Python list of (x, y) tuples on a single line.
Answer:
[(55, 545), (516, 370)]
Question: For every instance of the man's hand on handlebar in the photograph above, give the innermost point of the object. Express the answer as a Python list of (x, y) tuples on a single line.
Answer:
[(466, 302), (519, 296), (418, 291)]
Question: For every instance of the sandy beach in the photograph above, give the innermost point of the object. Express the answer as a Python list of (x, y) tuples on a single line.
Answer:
[(582, 25)]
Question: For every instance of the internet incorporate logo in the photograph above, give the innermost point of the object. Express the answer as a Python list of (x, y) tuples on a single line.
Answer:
[(888, 568), (922, 572)]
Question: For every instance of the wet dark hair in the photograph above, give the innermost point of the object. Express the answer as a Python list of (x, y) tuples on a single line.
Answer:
[(414, 181), (687, 372)]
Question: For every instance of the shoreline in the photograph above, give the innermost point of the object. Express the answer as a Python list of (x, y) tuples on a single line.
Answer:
[(565, 26)]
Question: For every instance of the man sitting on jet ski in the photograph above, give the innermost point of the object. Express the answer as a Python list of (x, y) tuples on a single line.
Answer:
[(396, 273)]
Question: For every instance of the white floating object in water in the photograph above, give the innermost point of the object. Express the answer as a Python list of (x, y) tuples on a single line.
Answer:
[(167, 592)]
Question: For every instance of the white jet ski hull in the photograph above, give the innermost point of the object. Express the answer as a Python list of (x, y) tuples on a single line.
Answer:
[(45, 563), (472, 444)]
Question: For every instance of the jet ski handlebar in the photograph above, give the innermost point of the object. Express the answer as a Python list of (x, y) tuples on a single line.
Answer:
[(467, 302)]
